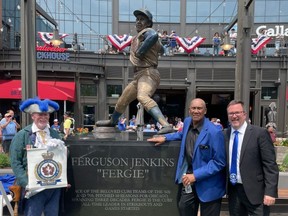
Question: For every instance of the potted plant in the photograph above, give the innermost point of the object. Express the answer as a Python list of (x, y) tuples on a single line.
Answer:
[(284, 166), (4, 161), (281, 149)]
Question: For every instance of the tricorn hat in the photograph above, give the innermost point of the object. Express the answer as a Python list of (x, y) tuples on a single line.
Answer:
[(146, 13), (35, 105)]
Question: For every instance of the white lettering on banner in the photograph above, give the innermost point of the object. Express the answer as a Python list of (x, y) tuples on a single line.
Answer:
[(278, 30)]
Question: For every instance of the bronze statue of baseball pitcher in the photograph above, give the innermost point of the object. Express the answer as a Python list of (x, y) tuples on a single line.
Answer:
[(144, 53)]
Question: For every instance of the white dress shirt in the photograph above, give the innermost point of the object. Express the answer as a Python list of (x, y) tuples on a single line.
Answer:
[(39, 142)]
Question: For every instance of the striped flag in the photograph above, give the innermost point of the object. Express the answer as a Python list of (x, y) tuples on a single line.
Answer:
[(258, 43), (120, 41), (189, 44), (47, 36)]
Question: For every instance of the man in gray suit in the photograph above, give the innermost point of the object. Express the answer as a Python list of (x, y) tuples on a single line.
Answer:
[(252, 169)]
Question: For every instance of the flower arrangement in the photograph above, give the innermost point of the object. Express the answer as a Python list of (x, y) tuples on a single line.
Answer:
[(81, 131), (281, 142)]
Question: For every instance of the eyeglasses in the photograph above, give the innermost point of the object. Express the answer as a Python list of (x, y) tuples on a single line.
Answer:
[(235, 113)]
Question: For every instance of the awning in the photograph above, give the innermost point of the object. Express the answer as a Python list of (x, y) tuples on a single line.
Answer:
[(54, 90)]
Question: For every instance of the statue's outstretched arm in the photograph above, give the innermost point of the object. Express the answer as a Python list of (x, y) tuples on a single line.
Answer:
[(150, 38)]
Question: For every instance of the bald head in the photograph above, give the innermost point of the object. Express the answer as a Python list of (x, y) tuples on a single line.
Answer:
[(198, 101)]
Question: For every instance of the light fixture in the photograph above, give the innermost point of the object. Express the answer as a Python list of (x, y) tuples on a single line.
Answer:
[(187, 81), (226, 43), (56, 40)]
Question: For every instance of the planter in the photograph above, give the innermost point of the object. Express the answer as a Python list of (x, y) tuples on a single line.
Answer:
[(4, 171), (280, 151), (283, 180)]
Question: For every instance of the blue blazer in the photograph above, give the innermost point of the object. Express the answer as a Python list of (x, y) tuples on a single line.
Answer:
[(209, 160)]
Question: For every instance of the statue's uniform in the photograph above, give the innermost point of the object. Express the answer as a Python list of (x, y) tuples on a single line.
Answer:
[(146, 76)]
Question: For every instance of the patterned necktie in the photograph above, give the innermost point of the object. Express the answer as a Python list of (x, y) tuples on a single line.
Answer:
[(43, 136), (233, 169)]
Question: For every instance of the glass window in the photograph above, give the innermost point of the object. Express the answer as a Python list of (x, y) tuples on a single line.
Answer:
[(260, 5), (111, 110), (162, 10), (268, 93), (283, 19), (216, 9), (284, 8), (114, 90), (212, 11), (203, 8), (88, 115), (272, 8), (88, 90)]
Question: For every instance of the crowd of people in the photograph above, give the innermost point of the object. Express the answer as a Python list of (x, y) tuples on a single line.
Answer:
[(151, 126)]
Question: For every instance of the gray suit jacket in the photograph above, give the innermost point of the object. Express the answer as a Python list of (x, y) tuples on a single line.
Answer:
[(258, 167)]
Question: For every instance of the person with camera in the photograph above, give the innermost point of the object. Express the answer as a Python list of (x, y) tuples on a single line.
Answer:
[(8, 129)]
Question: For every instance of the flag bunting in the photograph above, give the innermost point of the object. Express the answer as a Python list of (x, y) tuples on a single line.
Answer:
[(189, 44), (47, 36), (258, 43), (120, 41)]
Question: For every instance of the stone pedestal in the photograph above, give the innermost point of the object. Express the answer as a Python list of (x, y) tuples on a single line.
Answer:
[(106, 133), (121, 176)]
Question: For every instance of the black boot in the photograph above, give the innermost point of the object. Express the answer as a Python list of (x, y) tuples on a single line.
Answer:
[(111, 122), (156, 113)]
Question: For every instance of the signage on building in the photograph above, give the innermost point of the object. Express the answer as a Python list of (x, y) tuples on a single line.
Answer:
[(52, 53), (16, 92), (277, 30)]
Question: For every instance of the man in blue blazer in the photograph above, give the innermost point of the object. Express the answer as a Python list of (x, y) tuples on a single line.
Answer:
[(201, 163)]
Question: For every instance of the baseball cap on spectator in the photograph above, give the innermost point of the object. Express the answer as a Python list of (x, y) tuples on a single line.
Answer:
[(68, 113), (55, 120)]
